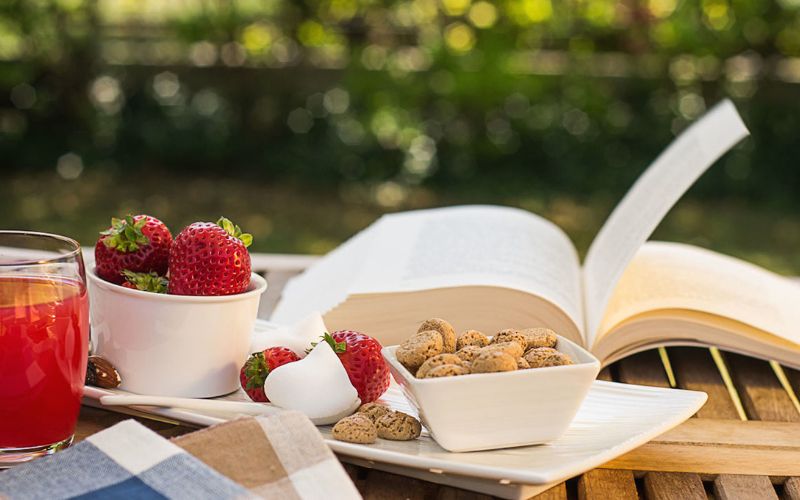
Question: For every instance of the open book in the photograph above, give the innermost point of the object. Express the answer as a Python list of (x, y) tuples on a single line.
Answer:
[(489, 268)]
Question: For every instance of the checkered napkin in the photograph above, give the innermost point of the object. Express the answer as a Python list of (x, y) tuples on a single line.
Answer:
[(281, 456), (124, 461)]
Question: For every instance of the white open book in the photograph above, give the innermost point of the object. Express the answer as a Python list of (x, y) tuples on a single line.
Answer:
[(489, 268)]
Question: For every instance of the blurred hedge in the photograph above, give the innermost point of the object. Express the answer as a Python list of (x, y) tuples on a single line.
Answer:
[(514, 95)]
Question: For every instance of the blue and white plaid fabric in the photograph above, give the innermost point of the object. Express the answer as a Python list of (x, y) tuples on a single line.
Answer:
[(124, 461)]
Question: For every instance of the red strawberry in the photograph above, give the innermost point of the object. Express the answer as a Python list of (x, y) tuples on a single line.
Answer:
[(361, 357), (258, 366), (140, 244), (148, 282), (210, 259)]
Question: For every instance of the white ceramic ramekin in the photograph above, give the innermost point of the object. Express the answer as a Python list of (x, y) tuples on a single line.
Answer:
[(499, 410), (173, 345)]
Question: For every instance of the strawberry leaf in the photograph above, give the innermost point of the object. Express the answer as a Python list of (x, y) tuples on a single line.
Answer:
[(235, 231), (256, 371), (247, 239), (338, 347), (148, 282), (227, 225), (125, 235)]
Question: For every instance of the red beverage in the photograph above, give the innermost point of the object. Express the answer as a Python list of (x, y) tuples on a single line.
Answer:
[(44, 325)]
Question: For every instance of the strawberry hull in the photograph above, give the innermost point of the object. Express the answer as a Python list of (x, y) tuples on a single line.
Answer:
[(174, 345), (114, 252)]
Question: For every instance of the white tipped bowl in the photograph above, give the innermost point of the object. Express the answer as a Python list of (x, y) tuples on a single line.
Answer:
[(173, 345), (486, 411)]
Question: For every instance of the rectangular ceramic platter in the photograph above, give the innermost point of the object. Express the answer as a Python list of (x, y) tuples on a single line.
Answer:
[(614, 419)]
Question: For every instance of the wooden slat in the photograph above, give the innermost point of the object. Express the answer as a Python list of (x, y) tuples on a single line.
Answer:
[(762, 395), (713, 446), (644, 368), (379, 485), (791, 490), (276, 281), (695, 370), (677, 486), (664, 457), (794, 379), (734, 434), (557, 492), (354, 472), (442, 493), (600, 484), (736, 487)]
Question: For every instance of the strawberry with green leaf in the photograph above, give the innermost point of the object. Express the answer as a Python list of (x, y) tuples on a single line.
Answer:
[(139, 243), (210, 259), (361, 357), (147, 282), (258, 367)]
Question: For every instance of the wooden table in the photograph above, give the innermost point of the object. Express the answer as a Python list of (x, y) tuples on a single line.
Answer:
[(744, 443)]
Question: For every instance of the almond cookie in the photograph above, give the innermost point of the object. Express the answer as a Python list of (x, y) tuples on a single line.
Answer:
[(447, 371), (493, 361), (398, 426), (542, 357), (445, 358), (468, 353), (419, 347), (540, 337), (373, 410), (511, 335), (444, 328), (522, 364), (513, 349), (357, 428), (471, 337)]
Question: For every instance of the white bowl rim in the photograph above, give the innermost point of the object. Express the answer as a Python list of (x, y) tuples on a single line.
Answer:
[(388, 353), (258, 280)]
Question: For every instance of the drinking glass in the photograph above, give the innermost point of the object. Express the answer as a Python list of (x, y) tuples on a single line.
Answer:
[(44, 328)]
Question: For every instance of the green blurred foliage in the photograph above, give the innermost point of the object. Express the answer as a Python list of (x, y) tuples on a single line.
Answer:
[(464, 100)]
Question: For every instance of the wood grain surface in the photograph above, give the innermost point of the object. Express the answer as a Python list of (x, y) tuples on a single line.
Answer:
[(695, 370), (600, 484), (673, 486), (647, 369), (762, 395), (738, 487)]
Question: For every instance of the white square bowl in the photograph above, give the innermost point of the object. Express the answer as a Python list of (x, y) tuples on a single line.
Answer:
[(488, 411)]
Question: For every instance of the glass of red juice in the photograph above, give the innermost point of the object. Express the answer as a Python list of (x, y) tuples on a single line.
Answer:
[(44, 329)]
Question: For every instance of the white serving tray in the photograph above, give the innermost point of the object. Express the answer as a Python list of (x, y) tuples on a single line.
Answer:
[(614, 419)]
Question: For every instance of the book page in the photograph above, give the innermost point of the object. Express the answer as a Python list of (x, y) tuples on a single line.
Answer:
[(664, 276), (473, 245), (649, 200)]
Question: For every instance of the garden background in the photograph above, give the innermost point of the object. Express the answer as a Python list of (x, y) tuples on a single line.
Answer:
[(305, 120)]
